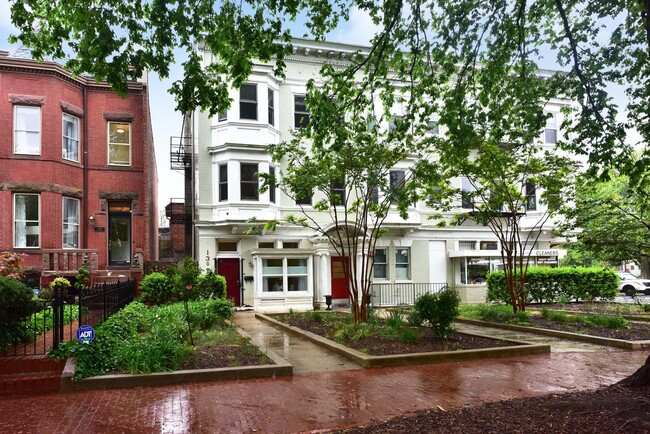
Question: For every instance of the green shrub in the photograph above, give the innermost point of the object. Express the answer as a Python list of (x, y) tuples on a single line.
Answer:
[(205, 314), (353, 331), (609, 321), (438, 310), (187, 278), (547, 285), (211, 285), (495, 313), (157, 288), (316, 316), (394, 320), (15, 300), (410, 336), (554, 315), (414, 319)]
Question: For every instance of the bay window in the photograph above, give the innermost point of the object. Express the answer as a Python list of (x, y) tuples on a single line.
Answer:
[(27, 227), (70, 223), (70, 138), (27, 130)]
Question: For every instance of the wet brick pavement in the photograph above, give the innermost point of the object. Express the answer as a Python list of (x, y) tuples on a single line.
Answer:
[(312, 401)]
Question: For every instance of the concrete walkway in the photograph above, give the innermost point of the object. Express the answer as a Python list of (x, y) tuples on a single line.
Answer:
[(314, 400), (305, 356)]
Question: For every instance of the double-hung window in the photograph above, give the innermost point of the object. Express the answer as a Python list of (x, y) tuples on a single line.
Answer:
[(119, 144), (531, 196), (70, 138), (27, 227), (272, 184), (550, 132), (380, 264), (70, 223), (249, 182), (223, 182), (271, 107), (402, 265), (467, 193), (27, 130), (397, 180), (433, 127), (301, 112), (248, 102), (338, 192)]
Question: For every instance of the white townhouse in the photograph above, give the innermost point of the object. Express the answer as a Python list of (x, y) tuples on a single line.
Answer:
[(294, 267)]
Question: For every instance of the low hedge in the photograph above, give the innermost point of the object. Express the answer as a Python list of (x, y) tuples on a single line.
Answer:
[(549, 285)]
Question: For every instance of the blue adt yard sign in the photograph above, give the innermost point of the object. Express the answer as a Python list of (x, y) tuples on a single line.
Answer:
[(85, 334)]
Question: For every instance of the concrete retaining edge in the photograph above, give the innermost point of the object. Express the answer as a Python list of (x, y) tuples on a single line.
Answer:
[(367, 361), (598, 340), (118, 381)]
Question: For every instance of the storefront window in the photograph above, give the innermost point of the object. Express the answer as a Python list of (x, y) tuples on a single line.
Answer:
[(473, 271)]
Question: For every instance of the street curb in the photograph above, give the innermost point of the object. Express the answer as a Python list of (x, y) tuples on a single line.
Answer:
[(119, 381), (618, 343), (523, 348)]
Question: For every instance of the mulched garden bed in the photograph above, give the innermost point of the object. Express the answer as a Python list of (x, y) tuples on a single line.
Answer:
[(612, 409), (376, 345), (636, 332), (208, 357), (595, 307)]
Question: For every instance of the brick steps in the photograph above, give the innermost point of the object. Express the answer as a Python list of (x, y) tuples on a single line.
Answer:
[(29, 375)]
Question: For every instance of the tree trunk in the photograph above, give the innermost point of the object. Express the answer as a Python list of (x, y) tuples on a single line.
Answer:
[(644, 265), (640, 378)]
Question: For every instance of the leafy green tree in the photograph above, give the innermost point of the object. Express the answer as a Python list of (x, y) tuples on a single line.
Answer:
[(612, 221)]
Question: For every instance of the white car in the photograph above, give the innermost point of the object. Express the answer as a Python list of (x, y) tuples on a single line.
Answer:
[(630, 284)]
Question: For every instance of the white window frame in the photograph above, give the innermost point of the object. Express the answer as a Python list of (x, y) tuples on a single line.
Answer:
[(302, 113), (255, 181), (250, 102), (270, 95), (110, 144), (68, 224), (285, 275), (376, 264), (75, 121), (17, 130), (25, 221), (222, 184), (399, 263), (551, 126)]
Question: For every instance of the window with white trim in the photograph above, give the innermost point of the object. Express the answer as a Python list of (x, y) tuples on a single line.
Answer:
[(27, 226), (380, 264), (397, 178), (271, 106), (301, 112), (531, 196), (467, 193), (272, 185), (249, 183), (223, 182), (550, 132), (70, 138), (248, 102), (285, 274), (70, 223), (119, 143), (402, 264), (27, 130)]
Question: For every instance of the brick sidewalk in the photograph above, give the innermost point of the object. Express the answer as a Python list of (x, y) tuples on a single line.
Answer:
[(312, 401)]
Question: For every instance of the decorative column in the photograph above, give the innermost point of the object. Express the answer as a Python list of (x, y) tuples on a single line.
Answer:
[(322, 271)]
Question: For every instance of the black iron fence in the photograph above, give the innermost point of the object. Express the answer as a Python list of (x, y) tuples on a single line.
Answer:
[(34, 328), (99, 302), (397, 294)]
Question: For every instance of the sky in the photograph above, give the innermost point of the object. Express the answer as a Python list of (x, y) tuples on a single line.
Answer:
[(165, 120)]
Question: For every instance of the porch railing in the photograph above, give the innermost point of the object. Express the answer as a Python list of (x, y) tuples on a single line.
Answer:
[(63, 262), (397, 294)]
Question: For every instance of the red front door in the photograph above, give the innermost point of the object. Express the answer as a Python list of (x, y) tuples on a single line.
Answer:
[(229, 268), (339, 277)]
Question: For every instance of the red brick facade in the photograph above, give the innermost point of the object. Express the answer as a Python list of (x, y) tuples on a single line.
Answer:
[(117, 203)]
